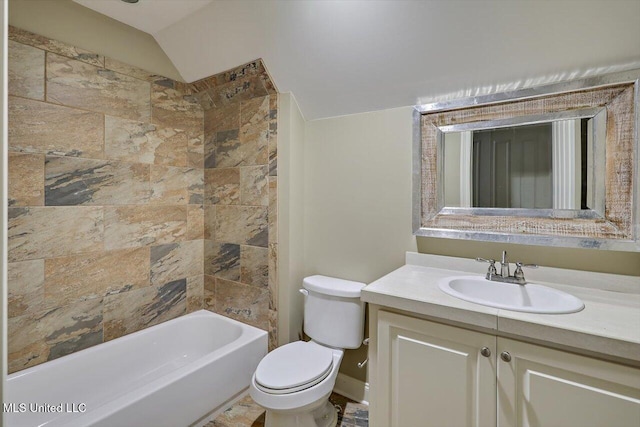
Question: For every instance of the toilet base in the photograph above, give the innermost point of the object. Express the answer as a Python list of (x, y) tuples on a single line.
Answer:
[(324, 415)]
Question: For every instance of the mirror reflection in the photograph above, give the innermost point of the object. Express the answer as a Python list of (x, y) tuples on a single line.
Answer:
[(546, 165)]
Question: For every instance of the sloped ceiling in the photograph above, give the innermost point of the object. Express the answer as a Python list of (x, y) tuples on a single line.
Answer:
[(344, 57), (148, 16)]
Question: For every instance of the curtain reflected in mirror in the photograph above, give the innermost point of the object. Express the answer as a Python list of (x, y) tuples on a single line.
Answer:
[(534, 166)]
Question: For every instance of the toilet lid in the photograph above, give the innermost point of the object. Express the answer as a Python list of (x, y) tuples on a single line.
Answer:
[(294, 366)]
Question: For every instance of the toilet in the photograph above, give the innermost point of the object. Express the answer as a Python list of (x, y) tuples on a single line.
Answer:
[(293, 382)]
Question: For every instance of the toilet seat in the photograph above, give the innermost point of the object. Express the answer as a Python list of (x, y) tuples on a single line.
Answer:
[(294, 367)]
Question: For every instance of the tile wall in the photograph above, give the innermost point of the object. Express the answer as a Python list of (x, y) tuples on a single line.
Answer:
[(134, 199), (240, 196), (106, 199)]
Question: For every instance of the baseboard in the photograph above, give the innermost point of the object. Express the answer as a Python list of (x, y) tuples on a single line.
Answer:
[(352, 388)]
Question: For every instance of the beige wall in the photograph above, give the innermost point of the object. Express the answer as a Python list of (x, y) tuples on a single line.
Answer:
[(357, 193), (357, 200), (357, 217), (627, 263), (291, 126), (82, 27)]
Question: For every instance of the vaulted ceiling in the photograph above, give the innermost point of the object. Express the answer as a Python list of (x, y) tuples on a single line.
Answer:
[(344, 57)]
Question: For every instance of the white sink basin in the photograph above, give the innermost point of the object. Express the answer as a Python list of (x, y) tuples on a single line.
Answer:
[(529, 298)]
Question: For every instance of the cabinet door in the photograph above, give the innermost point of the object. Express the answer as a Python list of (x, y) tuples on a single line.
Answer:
[(544, 387), (433, 375)]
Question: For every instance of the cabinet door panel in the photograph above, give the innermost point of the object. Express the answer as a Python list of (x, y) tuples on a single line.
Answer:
[(545, 387), (433, 375)]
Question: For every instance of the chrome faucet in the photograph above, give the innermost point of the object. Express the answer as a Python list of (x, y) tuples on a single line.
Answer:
[(504, 276), (504, 265)]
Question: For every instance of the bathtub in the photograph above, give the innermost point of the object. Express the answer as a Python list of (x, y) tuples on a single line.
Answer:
[(178, 373)]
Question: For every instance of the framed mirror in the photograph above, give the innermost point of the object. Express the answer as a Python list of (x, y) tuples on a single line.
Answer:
[(554, 165)]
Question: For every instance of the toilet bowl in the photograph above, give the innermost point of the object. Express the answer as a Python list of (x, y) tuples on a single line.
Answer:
[(293, 382)]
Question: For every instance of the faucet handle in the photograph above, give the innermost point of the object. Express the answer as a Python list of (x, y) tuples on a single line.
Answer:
[(492, 265), (519, 274), (520, 265)]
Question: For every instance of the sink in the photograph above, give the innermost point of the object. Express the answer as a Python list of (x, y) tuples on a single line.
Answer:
[(530, 298)]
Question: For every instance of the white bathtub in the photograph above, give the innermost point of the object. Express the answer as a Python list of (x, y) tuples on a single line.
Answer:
[(173, 374)]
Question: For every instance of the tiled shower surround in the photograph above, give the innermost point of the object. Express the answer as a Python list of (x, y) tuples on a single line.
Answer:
[(240, 185), (115, 225)]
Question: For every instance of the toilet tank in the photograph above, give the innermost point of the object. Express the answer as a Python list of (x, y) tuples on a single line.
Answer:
[(333, 312)]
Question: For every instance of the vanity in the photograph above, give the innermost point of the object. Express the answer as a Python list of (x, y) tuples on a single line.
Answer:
[(437, 360), (455, 342)]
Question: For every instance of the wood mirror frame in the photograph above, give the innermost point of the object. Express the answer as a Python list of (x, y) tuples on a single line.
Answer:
[(617, 228)]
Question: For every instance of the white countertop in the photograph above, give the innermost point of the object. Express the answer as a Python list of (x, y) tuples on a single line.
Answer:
[(609, 325)]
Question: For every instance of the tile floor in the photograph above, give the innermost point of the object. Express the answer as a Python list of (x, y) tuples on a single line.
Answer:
[(246, 413)]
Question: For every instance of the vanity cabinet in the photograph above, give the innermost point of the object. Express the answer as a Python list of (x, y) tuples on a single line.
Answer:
[(539, 386), (429, 374), (432, 375)]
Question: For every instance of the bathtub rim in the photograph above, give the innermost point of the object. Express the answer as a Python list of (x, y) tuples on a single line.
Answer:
[(131, 336)]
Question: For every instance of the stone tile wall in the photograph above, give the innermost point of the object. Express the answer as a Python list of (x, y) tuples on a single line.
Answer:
[(240, 196), (106, 200), (134, 199)]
